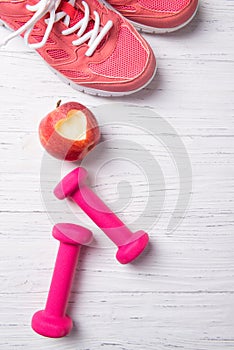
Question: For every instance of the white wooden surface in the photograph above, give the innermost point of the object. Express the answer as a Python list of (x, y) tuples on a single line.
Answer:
[(181, 293)]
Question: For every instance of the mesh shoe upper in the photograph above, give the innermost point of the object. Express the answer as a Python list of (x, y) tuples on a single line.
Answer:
[(156, 13)]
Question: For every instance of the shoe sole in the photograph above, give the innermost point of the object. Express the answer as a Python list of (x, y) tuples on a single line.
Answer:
[(100, 93), (152, 30), (91, 91)]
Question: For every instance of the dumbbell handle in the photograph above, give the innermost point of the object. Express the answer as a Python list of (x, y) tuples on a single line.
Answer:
[(103, 217), (61, 282)]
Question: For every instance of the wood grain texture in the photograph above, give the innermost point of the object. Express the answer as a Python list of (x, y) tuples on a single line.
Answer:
[(180, 294)]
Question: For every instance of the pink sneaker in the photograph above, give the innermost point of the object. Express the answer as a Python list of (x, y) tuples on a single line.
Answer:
[(157, 16), (89, 46)]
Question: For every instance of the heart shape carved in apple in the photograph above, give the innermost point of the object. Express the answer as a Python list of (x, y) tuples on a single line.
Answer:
[(73, 127)]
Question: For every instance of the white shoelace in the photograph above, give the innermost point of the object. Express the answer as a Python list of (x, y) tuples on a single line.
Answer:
[(43, 7)]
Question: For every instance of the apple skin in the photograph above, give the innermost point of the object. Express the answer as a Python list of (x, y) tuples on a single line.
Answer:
[(64, 148)]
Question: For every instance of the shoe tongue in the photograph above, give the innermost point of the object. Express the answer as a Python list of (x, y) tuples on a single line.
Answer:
[(78, 17), (75, 15)]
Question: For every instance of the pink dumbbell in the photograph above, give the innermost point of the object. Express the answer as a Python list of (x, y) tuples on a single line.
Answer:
[(130, 245), (53, 322)]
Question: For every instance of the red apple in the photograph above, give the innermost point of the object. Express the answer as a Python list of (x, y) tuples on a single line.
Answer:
[(69, 132)]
